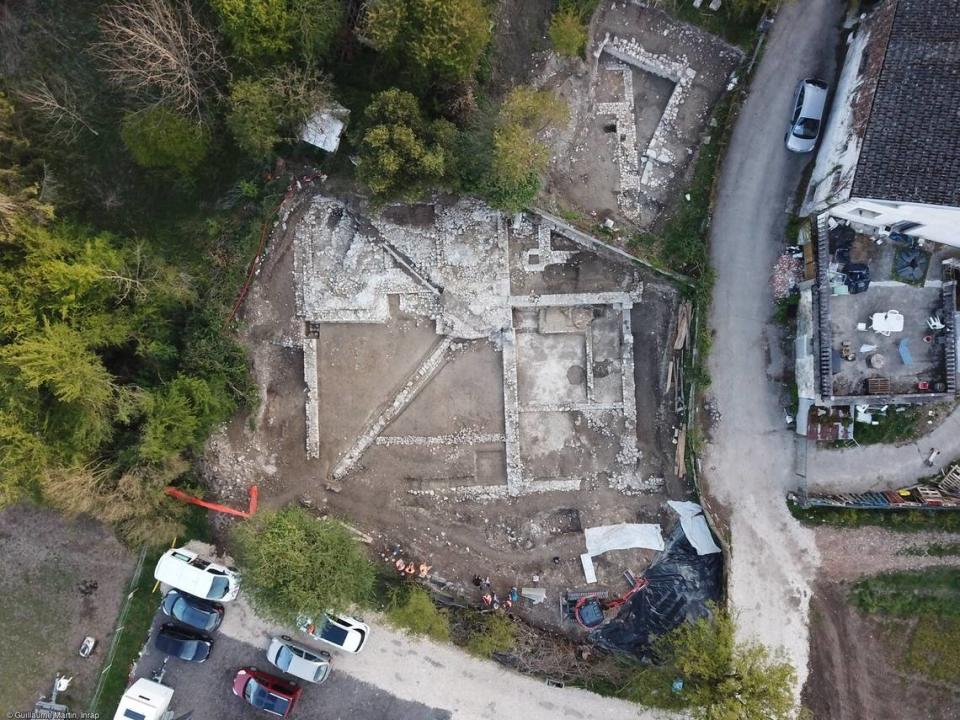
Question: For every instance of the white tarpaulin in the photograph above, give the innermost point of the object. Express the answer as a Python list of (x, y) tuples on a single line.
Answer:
[(589, 571), (695, 527), (624, 536)]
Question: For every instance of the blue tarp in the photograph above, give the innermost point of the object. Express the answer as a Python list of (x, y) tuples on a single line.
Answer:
[(905, 353)]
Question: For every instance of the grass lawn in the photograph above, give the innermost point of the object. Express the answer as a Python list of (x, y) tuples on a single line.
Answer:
[(933, 592), (136, 625), (920, 610), (934, 649)]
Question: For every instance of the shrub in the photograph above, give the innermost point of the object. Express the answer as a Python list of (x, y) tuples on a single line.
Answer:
[(293, 563), (410, 607), (494, 633), (519, 159), (161, 138), (568, 33)]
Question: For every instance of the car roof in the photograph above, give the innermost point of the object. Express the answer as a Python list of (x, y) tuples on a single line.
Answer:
[(299, 666), (814, 99), (185, 571)]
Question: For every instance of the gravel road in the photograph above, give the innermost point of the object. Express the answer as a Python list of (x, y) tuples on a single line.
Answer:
[(395, 677), (749, 463)]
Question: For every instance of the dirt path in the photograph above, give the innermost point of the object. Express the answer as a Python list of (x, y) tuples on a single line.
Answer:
[(442, 676), (855, 671), (748, 465)]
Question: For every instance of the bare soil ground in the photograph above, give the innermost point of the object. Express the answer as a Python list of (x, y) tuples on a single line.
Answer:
[(520, 31), (587, 173), (510, 539), (857, 662), (60, 580)]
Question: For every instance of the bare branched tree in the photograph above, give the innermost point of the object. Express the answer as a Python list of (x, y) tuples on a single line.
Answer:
[(156, 47), (56, 102)]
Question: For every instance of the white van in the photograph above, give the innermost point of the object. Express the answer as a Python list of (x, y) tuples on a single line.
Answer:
[(186, 571), (145, 700)]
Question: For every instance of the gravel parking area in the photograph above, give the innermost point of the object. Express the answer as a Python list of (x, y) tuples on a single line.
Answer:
[(205, 688)]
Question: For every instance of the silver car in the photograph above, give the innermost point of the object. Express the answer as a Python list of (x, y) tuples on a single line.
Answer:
[(809, 102), (299, 660)]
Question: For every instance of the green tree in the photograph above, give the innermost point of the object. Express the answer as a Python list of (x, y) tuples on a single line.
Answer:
[(263, 28), (267, 110), (519, 159), (161, 138), (256, 27), (293, 563), (434, 40), (402, 154), (58, 360), (178, 418), (723, 679), (568, 32)]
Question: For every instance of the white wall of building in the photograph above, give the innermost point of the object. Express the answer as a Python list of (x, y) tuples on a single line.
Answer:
[(938, 223)]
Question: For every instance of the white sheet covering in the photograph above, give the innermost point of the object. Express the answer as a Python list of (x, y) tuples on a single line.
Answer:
[(695, 526), (589, 572), (624, 536)]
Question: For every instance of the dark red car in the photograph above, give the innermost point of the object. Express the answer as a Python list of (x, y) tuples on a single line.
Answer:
[(266, 692)]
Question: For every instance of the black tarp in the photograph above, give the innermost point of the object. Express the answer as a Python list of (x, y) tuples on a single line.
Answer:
[(680, 586)]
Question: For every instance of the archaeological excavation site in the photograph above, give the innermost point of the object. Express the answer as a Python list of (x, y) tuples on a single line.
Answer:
[(501, 395)]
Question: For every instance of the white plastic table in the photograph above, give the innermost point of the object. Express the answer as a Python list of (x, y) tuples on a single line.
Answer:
[(887, 322)]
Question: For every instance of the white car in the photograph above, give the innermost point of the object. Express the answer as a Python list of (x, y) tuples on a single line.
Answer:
[(341, 631), (186, 571), (299, 660), (809, 102)]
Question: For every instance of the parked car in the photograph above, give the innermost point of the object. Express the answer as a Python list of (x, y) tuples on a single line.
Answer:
[(299, 660), (341, 631), (183, 643), (192, 611), (184, 570), (809, 102), (266, 692), (857, 277)]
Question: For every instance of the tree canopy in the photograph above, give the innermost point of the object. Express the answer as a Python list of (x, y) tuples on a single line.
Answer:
[(519, 158), (293, 563), (263, 28), (401, 153), (267, 110), (722, 679), (435, 40)]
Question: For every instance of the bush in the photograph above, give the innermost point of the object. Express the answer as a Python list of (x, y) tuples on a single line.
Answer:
[(161, 138), (410, 607), (568, 33), (933, 591), (293, 563), (494, 633), (499, 155)]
